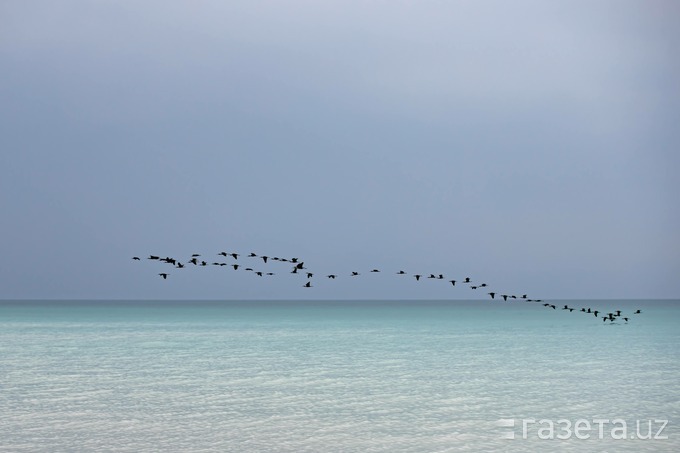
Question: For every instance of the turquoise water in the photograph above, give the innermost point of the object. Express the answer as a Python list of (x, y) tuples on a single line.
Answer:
[(331, 376)]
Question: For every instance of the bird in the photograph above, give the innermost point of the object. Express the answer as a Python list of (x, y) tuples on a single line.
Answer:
[(331, 276), (473, 287), (259, 273), (453, 282), (264, 258), (417, 276), (309, 275), (467, 280), (223, 254), (153, 257), (252, 254), (401, 273), (505, 297), (375, 270), (637, 312), (492, 294), (235, 255), (235, 266), (164, 275), (136, 258), (354, 274), (307, 285)]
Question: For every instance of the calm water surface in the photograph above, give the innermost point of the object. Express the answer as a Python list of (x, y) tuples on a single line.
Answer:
[(332, 376)]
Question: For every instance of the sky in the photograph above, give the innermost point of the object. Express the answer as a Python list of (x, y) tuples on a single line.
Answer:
[(529, 145)]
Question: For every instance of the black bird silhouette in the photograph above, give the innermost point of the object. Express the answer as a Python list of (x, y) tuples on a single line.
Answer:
[(309, 275), (432, 276), (467, 280), (223, 254), (307, 285), (264, 258), (164, 275), (492, 294), (196, 254), (453, 282), (194, 261), (401, 272), (637, 312), (417, 276), (504, 296), (136, 258), (235, 255), (153, 257), (618, 312), (473, 287), (331, 276), (252, 254), (354, 274), (259, 273), (375, 270), (595, 312), (625, 319), (441, 277), (179, 266), (235, 266)]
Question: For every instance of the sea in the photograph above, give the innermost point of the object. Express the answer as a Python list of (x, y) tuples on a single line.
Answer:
[(338, 376)]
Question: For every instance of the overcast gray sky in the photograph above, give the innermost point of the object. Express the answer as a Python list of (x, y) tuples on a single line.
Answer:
[(530, 145)]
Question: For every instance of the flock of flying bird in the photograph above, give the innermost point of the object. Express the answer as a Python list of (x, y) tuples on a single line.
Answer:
[(298, 267)]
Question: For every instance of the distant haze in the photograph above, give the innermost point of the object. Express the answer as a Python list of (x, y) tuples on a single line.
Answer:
[(530, 145)]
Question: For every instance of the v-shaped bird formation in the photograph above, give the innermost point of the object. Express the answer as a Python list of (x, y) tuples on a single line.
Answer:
[(296, 266)]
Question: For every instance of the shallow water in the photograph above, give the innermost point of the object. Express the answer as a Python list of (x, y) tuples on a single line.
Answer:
[(350, 376)]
